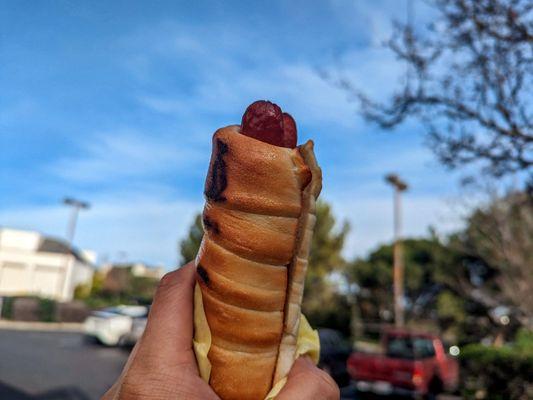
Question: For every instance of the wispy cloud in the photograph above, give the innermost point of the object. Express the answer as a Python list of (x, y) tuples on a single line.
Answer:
[(298, 85), (123, 154), (127, 226), (165, 105), (170, 80), (371, 219)]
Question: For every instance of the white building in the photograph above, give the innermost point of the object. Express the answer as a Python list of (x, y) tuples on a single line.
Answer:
[(33, 264)]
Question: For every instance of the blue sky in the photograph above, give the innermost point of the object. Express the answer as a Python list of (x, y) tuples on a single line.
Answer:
[(115, 103)]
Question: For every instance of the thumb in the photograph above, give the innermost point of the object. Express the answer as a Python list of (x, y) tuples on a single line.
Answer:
[(306, 381)]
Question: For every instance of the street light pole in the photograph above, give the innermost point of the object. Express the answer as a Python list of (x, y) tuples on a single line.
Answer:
[(76, 205), (398, 267)]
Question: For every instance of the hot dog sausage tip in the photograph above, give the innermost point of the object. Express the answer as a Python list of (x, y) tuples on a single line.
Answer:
[(265, 121)]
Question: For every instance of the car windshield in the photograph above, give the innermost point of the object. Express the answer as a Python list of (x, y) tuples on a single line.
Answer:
[(409, 347)]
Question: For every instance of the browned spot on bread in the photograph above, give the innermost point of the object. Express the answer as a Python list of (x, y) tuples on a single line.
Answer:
[(210, 225), (202, 273), (217, 179)]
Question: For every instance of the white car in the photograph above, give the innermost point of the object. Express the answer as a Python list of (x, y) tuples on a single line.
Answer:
[(117, 326)]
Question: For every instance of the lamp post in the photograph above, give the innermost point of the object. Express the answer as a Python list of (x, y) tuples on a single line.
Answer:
[(398, 267), (76, 205)]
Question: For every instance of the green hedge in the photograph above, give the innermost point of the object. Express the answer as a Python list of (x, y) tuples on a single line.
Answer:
[(47, 310), (34, 309), (496, 373), (7, 308)]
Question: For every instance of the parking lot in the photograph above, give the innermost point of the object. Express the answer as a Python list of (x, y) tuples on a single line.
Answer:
[(65, 366), (55, 366)]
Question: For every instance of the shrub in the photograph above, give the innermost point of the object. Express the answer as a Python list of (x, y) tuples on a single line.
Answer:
[(28, 308), (524, 340), (47, 310), (82, 291), (7, 308), (497, 373)]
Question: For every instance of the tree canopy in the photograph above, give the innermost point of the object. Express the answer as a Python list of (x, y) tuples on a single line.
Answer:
[(323, 304), (188, 247)]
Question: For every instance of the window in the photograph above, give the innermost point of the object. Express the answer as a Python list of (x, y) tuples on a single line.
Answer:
[(13, 277), (400, 347), (409, 347), (423, 348)]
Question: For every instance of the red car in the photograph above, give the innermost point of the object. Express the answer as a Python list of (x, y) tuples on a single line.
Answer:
[(411, 363)]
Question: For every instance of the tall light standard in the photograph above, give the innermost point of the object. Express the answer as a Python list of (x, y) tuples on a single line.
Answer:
[(398, 269), (76, 205)]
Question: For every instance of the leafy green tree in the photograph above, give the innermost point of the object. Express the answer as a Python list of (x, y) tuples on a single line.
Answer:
[(501, 234), (452, 312), (118, 286), (327, 244), (189, 246), (489, 261), (323, 303), (374, 276)]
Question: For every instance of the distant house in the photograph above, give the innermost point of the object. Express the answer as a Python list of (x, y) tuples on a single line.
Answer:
[(133, 280), (140, 270), (118, 275), (33, 264)]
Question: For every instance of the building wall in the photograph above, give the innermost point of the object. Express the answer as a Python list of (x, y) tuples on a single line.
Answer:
[(24, 271)]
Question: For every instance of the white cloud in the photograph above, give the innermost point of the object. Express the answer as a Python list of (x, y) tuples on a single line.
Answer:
[(297, 86), (165, 105), (230, 68), (371, 219), (123, 154), (130, 227), (127, 228)]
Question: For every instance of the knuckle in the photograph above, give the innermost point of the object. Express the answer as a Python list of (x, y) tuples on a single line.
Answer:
[(169, 281)]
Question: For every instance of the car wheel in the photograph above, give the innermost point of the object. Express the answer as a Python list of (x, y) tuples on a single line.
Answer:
[(434, 389), (90, 340), (122, 341)]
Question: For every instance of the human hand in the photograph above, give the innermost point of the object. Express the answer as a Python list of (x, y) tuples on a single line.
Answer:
[(162, 366)]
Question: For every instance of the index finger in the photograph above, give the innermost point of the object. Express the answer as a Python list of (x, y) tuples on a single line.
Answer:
[(169, 329)]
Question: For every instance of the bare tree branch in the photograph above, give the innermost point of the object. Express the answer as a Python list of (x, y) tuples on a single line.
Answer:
[(469, 81)]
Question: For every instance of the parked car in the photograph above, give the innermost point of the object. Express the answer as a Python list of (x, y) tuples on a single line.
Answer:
[(411, 363), (334, 352), (117, 326)]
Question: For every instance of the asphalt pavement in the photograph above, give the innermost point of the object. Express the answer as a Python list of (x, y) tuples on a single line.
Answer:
[(55, 366), (65, 366)]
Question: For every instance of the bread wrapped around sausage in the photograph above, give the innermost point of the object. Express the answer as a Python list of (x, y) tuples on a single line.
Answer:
[(258, 223)]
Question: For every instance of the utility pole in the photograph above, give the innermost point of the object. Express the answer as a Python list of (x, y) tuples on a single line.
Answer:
[(398, 268), (76, 205)]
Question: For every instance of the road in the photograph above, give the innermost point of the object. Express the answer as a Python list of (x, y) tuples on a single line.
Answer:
[(55, 366), (64, 366)]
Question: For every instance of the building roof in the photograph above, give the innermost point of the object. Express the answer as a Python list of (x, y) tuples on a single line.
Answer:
[(53, 245), (33, 241)]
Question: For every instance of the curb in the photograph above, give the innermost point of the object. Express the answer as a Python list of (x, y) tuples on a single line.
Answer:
[(41, 326)]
